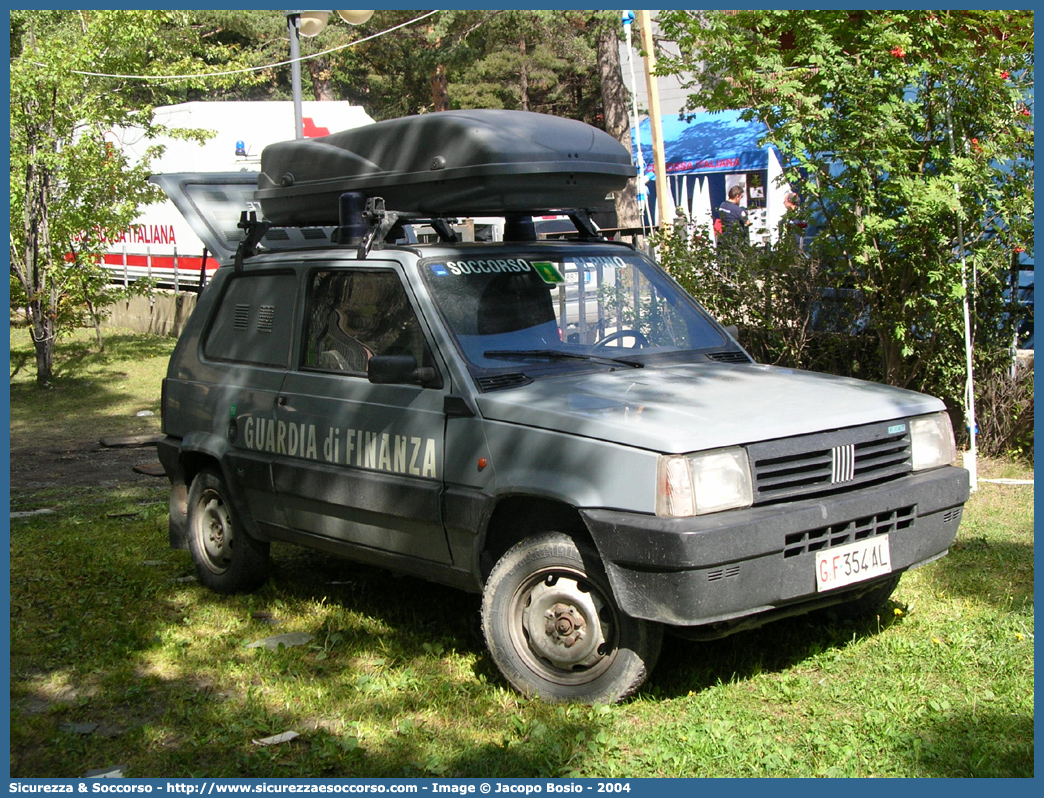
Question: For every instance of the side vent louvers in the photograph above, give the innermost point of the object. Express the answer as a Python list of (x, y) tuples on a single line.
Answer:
[(265, 318), (501, 381), (313, 233), (729, 357), (723, 573), (241, 318)]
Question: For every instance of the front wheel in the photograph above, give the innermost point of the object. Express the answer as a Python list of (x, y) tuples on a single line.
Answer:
[(227, 559), (554, 630)]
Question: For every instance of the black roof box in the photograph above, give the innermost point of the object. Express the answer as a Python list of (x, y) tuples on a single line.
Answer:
[(450, 163)]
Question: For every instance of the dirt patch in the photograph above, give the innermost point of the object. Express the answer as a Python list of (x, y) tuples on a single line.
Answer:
[(86, 464)]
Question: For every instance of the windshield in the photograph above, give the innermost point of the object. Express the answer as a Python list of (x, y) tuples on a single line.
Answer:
[(534, 314)]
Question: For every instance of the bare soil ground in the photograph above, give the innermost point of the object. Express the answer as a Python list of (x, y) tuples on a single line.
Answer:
[(79, 464)]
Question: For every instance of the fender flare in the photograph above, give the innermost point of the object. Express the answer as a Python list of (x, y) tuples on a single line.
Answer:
[(210, 447)]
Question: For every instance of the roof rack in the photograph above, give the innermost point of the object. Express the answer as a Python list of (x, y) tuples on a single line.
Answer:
[(367, 225), (365, 186)]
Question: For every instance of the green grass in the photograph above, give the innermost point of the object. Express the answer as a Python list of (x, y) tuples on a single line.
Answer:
[(397, 681), (90, 391)]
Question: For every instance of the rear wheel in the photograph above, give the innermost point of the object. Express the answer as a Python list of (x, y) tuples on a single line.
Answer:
[(553, 627), (227, 559)]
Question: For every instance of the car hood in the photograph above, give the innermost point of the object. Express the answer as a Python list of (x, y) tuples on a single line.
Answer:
[(692, 407)]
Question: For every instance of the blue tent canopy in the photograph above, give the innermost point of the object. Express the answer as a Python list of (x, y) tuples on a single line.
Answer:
[(706, 143)]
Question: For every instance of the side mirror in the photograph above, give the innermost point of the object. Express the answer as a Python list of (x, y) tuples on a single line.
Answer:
[(733, 331), (398, 370)]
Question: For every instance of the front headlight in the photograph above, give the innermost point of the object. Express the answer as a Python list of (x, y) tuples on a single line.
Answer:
[(931, 441), (706, 482)]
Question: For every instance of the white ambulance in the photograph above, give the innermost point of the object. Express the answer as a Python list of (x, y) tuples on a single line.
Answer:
[(160, 244)]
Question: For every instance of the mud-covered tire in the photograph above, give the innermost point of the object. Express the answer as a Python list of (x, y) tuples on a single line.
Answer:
[(227, 559), (554, 630)]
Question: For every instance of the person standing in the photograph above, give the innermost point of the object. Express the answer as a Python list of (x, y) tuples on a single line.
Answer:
[(735, 225), (793, 222)]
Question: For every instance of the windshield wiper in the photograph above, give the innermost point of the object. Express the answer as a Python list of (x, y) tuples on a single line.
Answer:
[(558, 354)]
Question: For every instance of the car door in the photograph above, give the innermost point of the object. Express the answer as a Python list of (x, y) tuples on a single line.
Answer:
[(227, 398), (356, 462)]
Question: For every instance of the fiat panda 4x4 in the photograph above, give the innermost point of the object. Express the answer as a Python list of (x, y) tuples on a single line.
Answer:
[(556, 425)]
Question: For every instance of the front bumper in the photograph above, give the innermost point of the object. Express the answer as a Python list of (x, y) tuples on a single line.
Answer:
[(721, 568)]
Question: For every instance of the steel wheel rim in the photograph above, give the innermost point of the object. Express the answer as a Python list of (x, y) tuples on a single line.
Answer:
[(213, 530), (562, 627)]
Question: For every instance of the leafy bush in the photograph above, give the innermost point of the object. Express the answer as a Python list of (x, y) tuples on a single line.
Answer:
[(1004, 409), (782, 299), (909, 135), (794, 309), (769, 292)]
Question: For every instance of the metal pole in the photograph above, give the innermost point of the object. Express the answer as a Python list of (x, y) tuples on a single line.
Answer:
[(202, 272), (664, 210), (643, 207), (971, 459), (152, 292), (292, 22), (1014, 306)]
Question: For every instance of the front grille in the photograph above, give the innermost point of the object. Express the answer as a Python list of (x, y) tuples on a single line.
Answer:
[(829, 462), (813, 540)]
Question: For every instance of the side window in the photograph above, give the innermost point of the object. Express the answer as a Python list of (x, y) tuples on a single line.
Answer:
[(356, 314), (254, 322)]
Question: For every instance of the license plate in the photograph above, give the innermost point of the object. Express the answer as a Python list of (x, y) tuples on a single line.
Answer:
[(853, 562)]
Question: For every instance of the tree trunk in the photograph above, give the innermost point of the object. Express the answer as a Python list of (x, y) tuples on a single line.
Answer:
[(322, 87), (96, 321), (523, 75), (42, 330), (35, 272), (439, 89), (617, 119), (895, 369)]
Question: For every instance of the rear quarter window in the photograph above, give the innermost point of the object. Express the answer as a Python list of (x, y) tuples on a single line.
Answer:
[(254, 320)]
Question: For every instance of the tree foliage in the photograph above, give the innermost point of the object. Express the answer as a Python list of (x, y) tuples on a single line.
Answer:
[(466, 58), (530, 60), (896, 126), (69, 183)]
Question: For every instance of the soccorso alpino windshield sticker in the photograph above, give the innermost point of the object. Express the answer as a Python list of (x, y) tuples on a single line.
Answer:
[(548, 272)]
